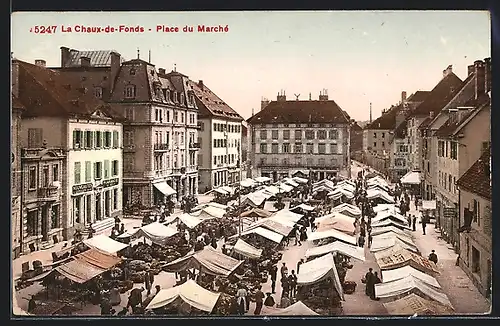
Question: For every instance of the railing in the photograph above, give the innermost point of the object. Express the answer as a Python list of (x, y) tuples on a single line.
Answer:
[(161, 147), (179, 170), (47, 192), (194, 145)]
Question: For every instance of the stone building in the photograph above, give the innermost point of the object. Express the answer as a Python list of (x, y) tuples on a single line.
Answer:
[(71, 158), (474, 188), (300, 137), (356, 138), (219, 139), (17, 109)]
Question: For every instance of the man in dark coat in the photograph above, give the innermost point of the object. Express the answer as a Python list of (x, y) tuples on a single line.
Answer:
[(273, 272), (424, 224), (301, 261), (292, 283), (433, 257), (414, 223), (368, 281), (375, 280)]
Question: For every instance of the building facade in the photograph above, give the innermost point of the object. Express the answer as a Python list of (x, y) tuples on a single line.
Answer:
[(220, 139), (72, 160), (476, 224), (16, 172), (310, 137)]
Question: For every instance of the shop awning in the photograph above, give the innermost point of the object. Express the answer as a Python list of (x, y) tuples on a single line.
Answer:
[(104, 243), (221, 191), (337, 247), (390, 215), (256, 212), (207, 261), (297, 309), (247, 250), (263, 232), (402, 272), (393, 259), (347, 209), (337, 235), (414, 304), (303, 207), (190, 293), (300, 180), (156, 232), (411, 178), (319, 269), (164, 188), (262, 179), (247, 183), (272, 225)]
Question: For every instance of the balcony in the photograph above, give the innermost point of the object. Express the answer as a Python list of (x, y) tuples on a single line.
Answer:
[(28, 153), (162, 173), (178, 170), (194, 146), (162, 147), (300, 165), (50, 192)]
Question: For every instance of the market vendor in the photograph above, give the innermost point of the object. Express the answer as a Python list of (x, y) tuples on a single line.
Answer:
[(135, 299)]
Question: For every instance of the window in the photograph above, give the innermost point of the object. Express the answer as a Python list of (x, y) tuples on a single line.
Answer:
[(321, 162), (54, 217), (333, 148), (130, 91), (182, 117), (454, 184), (400, 162), (309, 161), (168, 115), (98, 92), (485, 146), (114, 168), (78, 171), (88, 139), (309, 134), (298, 134), (274, 134), (454, 150), (383, 144), (35, 137), (128, 138), (476, 211), (286, 148), (263, 161), (115, 199), (115, 140), (132, 71), (274, 148), (175, 97), (374, 144), (98, 170), (321, 134), (88, 171), (286, 134), (374, 135), (263, 134), (129, 113), (309, 148), (449, 182), (476, 259), (107, 139), (98, 139), (32, 223), (297, 148), (129, 163), (333, 162), (77, 139), (383, 135), (334, 134), (45, 176), (55, 172), (445, 149), (32, 177), (263, 148), (428, 167), (440, 148), (321, 148), (182, 98)]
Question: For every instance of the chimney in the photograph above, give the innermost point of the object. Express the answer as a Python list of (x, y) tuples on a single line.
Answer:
[(263, 103), (40, 63), (85, 61), (403, 96), (115, 67), (200, 84), (370, 112), (65, 56), (447, 71), (15, 78), (161, 71), (281, 97), (480, 80), (470, 70), (487, 73), (323, 96)]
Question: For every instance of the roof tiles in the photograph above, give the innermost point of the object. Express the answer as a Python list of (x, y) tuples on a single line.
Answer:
[(477, 178)]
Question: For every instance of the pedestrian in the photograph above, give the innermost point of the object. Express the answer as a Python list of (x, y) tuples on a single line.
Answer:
[(259, 297), (433, 257), (375, 280), (31, 304), (284, 270), (313, 226), (213, 243), (297, 237), (368, 280), (122, 229), (224, 249), (135, 299), (269, 302), (424, 224), (414, 223), (187, 236), (273, 272), (370, 239), (409, 220), (292, 283), (285, 285), (285, 301), (147, 282), (301, 261), (241, 296), (361, 241)]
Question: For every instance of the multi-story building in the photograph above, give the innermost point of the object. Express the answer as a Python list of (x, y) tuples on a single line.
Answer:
[(460, 142), (246, 166), (441, 94), (15, 189), (356, 138), (311, 137), (219, 139), (398, 154), (475, 223), (72, 154)]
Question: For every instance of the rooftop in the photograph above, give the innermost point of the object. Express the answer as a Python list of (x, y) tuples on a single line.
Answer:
[(387, 121), (98, 58), (477, 178), (419, 96), (210, 104)]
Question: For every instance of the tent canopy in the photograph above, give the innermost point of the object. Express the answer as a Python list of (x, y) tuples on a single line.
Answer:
[(337, 235), (273, 225), (262, 179), (255, 199), (347, 209), (413, 304), (221, 191), (336, 221), (247, 250), (403, 257), (268, 234), (383, 243), (211, 212), (385, 207), (300, 180), (207, 261), (405, 271), (104, 243), (408, 285), (190, 293), (248, 182), (379, 194), (256, 212), (164, 188), (387, 214), (297, 309), (285, 188), (411, 178), (156, 232), (337, 247), (288, 215), (304, 207), (389, 223), (319, 269), (291, 182), (213, 204), (379, 230)]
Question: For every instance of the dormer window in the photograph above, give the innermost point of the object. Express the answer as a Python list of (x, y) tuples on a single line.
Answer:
[(167, 96), (98, 92), (182, 98), (191, 99), (130, 91), (132, 71), (175, 97)]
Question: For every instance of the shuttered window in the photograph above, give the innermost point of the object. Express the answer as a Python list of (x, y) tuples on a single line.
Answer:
[(106, 169), (88, 171), (35, 136), (116, 144), (78, 171)]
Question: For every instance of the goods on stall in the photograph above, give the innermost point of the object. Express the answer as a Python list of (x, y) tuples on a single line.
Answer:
[(349, 287), (225, 305), (321, 297)]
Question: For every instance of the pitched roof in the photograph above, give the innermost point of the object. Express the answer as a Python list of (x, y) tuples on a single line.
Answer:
[(477, 178), (400, 131), (45, 92), (16, 103), (300, 112), (356, 127), (418, 96), (440, 95), (387, 121), (210, 104), (425, 123), (99, 58)]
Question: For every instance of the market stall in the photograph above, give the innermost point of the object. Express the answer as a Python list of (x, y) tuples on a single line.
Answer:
[(246, 250), (262, 179), (390, 215), (388, 223), (387, 242), (273, 225), (347, 209), (296, 309), (414, 304), (256, 213), (379, 230), (336, 221), (392, 259), (390, 275), (379, 196), (213, 204), (247, 183), (385, 207), (337, 247), (331, 234), (105, 244), (156, 232)]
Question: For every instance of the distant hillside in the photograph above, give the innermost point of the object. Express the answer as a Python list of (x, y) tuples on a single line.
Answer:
[(362, 124)]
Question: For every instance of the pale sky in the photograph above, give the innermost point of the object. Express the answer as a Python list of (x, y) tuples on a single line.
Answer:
[(359, 57)]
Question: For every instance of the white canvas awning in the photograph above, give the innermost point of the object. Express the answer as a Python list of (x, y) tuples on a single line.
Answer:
[(247, 250), (285, 188), (347, 209), (413, 304), (411, 178), (402, 272), (336, 221), (380, 194), (428, 204), (156, 232), (291, 182), (262, 179), (247, 183), (214, 212), (408, 285), (390, 215), (297, 309), (221, 191), (304, 207), (337, 247), (272, 190), (300, 180), (385, 207), (229, 190), (164, 188), (337, 235), (189, 220), (379, 230), (213, 204), (104, 243), (389, 223), (268, 234), (405, 237), (318, 269), (254, 199), (377, 180), (285, 214), (189, 292), (379, 244)]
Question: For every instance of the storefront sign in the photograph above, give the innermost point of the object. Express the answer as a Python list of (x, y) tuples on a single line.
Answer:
[(77, 189), (110, 183), (449, 212)]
